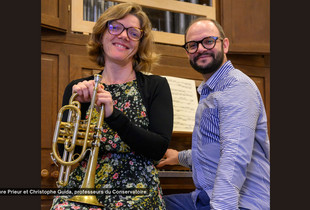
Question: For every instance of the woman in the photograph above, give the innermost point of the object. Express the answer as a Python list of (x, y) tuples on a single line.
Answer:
[(138, 111)]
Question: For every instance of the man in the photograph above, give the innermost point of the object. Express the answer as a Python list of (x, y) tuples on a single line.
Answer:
[(230, 144)]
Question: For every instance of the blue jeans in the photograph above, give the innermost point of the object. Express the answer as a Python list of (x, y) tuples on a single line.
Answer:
[(184, 202)]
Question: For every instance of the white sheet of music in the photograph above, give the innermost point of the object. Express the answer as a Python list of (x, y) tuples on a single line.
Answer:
[(185, 102)]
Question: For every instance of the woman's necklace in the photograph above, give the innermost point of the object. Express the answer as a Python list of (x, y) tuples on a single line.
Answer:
[(129, 78)]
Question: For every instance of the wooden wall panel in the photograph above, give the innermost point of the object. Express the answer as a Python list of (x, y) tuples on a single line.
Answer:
[(174, 62), (49, 101), (63, 50), (81, 66), (57, 49), (50, 7), (54, 14), (246, 24), (49, 97)]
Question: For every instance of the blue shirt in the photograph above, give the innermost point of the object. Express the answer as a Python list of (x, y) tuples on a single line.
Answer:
[(230, 145)]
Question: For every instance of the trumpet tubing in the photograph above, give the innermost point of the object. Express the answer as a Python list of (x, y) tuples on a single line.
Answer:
[(77, 132), (65, 131)]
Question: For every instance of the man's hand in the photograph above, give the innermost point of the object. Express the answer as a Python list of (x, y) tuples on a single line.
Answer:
[(170, 158)]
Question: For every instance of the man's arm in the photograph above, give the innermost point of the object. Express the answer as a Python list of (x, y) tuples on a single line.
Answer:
[(238, 115), (173, 157)]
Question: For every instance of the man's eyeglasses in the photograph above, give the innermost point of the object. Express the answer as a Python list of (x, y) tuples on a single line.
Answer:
[(207, 42), (116, 28)]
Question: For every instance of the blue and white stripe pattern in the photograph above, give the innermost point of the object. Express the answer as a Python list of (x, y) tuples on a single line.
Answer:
[(230, 143)]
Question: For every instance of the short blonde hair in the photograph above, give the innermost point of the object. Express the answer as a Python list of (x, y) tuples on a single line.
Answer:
[(145, 57)]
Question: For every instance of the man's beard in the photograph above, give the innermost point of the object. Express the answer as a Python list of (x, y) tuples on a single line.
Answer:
[(211, 67)]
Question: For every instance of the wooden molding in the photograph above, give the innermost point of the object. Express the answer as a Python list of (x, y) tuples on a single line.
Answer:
[(80, 25)]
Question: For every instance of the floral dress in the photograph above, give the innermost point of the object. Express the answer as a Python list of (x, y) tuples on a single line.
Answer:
[(118, 167)]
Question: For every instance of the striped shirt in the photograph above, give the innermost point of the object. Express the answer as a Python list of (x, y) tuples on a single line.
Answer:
[(230, 144)]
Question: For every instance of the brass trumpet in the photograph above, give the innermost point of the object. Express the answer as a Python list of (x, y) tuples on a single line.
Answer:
[(78, 132)]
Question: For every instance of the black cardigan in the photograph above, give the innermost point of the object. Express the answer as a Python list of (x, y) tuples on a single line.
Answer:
[(156, 96)]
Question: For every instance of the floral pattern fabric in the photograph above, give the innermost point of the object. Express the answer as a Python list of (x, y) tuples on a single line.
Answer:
[(118, 167)]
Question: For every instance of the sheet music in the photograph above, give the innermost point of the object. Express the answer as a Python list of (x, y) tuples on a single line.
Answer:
[(185, 102)]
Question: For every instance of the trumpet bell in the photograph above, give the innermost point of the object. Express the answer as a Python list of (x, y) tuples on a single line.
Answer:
[(86, 199)]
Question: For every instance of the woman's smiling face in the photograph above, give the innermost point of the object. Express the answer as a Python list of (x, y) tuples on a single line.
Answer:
[(119, 48)]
